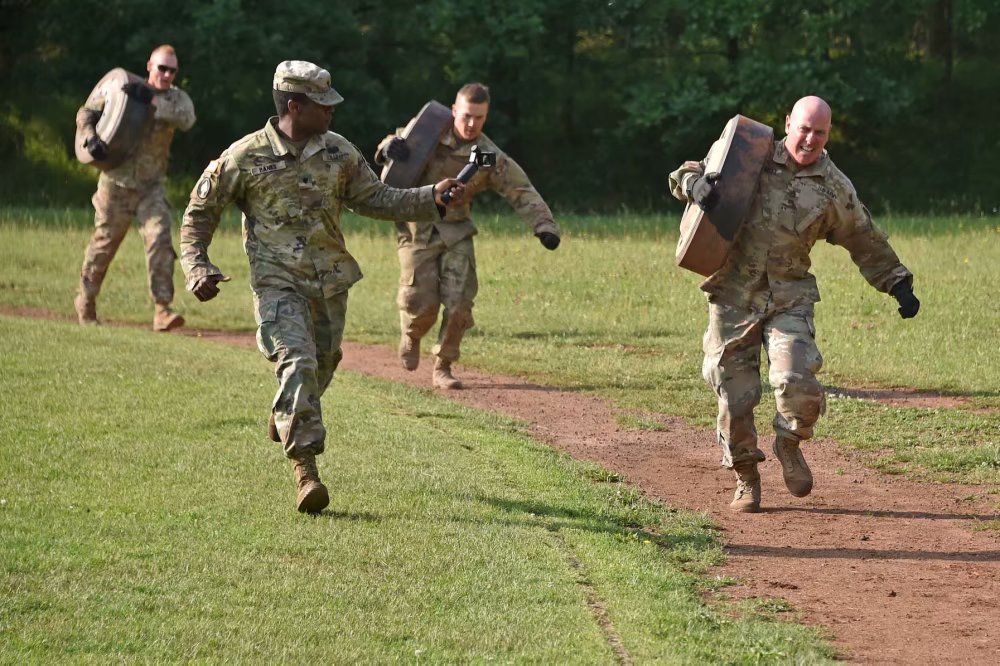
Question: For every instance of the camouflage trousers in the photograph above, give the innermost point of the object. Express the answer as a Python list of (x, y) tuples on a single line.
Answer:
[(732, 346), (435, 275), (114, 209), (301, 334)]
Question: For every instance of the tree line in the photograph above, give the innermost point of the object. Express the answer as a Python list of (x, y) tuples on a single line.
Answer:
[(597, 99)]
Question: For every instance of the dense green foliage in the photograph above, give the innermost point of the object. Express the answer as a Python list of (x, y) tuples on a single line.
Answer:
[(597, 99)]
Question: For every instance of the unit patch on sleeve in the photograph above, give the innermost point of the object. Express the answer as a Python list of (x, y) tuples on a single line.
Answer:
[(204, 188)]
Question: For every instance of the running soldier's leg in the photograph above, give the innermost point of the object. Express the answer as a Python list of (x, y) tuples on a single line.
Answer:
[(459, 286), (154, 225), (419, 291), (794, 359), (285, 336), (330, 318), (114, 208), (731, 367)]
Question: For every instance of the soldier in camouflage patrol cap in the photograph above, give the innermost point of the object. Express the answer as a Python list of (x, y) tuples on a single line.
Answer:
[(291, 180), (764, 294), (136, 188), (437, 262)]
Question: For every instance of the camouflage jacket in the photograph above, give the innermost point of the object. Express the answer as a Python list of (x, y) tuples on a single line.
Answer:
[(291, 209), (769, 263), (147, 165), (507, 178)]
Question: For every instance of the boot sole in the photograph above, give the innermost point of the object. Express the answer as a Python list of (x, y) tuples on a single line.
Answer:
[(448, 387), (315, 500), (753, 508), (174, 324)]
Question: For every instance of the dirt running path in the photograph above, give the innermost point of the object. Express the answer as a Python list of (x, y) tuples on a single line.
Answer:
[(894, 570)]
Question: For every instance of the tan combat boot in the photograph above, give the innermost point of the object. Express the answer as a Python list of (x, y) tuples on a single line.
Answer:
[(312, 495), (165, 319), (409, 352), (747, 497), (443, 379), (798, 478), (86, 310)]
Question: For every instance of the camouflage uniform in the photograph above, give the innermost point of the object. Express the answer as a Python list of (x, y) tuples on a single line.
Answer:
[(136, 188), (300, 269), (437, 260), (764, 295)]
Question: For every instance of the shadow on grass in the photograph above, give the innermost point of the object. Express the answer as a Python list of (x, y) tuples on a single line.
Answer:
[(350, 516), (592, 341), (555, 518)]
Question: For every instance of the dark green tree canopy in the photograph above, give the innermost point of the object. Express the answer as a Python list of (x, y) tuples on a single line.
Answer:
[(597, 99)]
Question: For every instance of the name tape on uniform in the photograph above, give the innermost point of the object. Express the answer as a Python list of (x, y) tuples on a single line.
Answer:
[(268, 168)]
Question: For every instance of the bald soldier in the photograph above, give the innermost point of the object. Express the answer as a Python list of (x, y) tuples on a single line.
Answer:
[(763, 295), (291, 180), (136, 188), (437, 262)]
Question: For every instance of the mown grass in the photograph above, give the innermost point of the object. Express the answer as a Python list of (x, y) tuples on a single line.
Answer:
[(145, 517), (609, 312)]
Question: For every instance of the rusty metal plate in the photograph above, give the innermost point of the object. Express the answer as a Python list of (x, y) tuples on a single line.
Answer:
[(121, 123), (422, 136), (738, 157)]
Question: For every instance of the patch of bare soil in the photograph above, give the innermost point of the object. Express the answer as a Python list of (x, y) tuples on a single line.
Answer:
[(894, 570), (908, 397)]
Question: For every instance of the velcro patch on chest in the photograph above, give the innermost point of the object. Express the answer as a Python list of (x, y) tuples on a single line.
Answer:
[(268, 168), (334, 154)]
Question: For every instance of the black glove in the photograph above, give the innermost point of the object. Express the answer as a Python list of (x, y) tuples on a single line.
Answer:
[(138, 91), (207, 287), (703, 192), (397, 150), (908, 303), (548, 239), (97, 148)]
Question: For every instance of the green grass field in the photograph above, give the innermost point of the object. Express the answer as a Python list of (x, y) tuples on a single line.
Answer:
[(609, 312), (144, 517)]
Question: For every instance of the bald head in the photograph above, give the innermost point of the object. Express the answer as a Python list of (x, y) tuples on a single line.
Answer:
[(162, 67), (807, 130)]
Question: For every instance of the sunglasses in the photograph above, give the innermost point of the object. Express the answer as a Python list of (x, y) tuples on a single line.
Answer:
[(165, 69)]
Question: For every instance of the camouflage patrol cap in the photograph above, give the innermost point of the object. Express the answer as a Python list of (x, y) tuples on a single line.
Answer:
[(304, 77)]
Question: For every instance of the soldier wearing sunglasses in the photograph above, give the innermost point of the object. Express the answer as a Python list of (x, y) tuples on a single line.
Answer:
[(136, 188)]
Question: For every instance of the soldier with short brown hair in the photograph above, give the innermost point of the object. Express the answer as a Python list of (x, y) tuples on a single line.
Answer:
[(763, 295), (136, 188), (437, 261)]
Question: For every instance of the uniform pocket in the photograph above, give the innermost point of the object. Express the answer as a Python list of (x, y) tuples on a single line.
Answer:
[(807, 221), (267, 329), (407, 268)]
